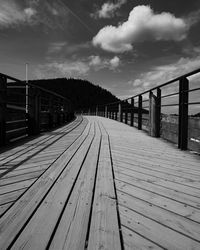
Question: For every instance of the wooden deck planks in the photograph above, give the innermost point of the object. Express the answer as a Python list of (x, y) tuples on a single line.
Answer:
[(111, 189), (28, 171), (16, 216), (71, 232), (158, 191), (104, 229), (37, 235)]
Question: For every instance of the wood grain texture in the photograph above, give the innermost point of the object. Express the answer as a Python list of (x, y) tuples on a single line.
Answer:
[(101, 185)]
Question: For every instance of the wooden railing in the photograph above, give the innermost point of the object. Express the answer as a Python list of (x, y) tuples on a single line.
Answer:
[(154, 111), (27, 109)]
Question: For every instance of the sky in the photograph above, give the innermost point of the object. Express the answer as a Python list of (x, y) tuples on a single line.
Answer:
[(125, 46)]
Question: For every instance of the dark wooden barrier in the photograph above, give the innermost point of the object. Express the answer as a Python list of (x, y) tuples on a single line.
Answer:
[(18, 119)]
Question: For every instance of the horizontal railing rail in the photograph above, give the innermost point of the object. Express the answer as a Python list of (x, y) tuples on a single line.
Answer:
[(27, 109), (170, 110)]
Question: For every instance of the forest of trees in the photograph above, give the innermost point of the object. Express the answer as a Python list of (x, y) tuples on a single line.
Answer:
[(82, 93)]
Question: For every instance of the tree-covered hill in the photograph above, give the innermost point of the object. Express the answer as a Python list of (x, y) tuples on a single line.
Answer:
[(82, 93)]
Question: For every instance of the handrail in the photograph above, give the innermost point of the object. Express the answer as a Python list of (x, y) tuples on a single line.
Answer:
[(33, 85), (10, 77), (133, 113), (40, 108), (48, 91), (159, 86)]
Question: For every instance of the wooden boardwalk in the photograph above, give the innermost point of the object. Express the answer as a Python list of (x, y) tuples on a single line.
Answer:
[(99, 184)]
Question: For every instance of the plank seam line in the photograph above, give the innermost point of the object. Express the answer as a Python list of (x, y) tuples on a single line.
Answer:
[(166, 165), (28, 158), (24, 174), (130, 151), (48, 168), (115, 190), (18, 181), (68, 197), (169, 169), (33, 137), (13, 191), (164, 160), (184, 203), (93, 194), (132, 170), (117, 161), (155, 243), (186, 235), (182, 216), (160, 186), (34, 211), (38, 143)]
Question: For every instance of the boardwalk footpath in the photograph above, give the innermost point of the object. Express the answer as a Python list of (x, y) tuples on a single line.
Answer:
[(99, 184)]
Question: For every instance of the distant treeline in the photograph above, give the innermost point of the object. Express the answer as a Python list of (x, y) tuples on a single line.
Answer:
[(82, 93)]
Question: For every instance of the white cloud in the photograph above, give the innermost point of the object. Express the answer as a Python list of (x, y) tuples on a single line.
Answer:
[(51, 15), (142, 24), (108, 9), (193, 17), (62, 69), (29, 12), (11, 14), (164, 73), (76, 68), (114, 62), (98, 63), (55, 47)]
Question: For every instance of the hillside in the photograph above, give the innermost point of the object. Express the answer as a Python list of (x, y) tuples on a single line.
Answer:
[(82, 93)]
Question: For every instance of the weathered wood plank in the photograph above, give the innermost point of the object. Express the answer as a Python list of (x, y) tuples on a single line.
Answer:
[(11, 196), (164, 182), (156, 232), (161, 215), (72, 229), (37, 234), (133, 240), (104, 230), (164, 191), (16, 217), (159, 200)]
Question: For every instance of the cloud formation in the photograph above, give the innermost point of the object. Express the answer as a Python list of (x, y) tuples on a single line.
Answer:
[(142, 25), (164, 73), (108, 9), (76, 68), (11, 14), (50, 14), (98, 63)]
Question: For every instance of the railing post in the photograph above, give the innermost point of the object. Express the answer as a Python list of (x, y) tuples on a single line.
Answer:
[(34, 111), (50, 112), (132, 111), (120, 112), (106, 111), (158, 112), (152, 114), (116, 115), (126, 112), (3, 97), (183, 113), (139, 112), (96, 110)]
